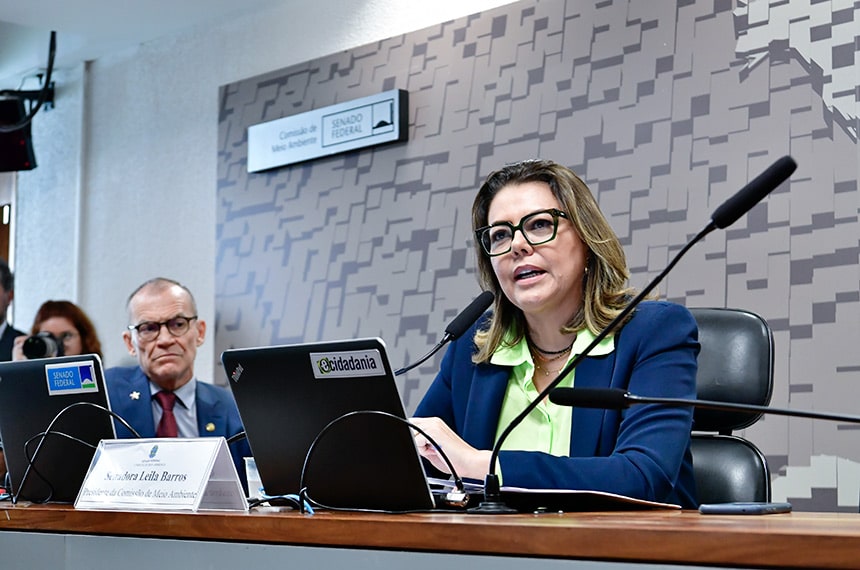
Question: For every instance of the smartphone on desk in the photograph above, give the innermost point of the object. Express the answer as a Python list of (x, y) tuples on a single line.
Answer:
[(744, 508)]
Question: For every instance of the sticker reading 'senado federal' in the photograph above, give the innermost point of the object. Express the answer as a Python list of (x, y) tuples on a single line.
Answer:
[(71, 378)]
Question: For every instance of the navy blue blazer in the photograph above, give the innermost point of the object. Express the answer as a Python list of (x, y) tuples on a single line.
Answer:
[(215, 405), (7, 341), (642, 452)]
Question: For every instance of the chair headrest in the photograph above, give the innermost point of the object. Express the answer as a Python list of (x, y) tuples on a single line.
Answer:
[(735, 365)]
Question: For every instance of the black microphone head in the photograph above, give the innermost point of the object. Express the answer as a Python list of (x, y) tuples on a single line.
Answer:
[(604, 398), (469, 315), (753, 192)]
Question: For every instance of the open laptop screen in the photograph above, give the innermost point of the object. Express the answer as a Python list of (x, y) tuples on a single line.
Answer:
[(32, 394), (287, 395)]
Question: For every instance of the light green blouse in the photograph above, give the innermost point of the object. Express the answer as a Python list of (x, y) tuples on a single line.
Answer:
[(548, 427)]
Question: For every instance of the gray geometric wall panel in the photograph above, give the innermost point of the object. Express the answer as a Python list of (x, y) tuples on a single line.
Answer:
[(664, 108)]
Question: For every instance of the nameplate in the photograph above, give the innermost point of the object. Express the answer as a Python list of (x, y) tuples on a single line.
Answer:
[(163, 474), (360, 123)]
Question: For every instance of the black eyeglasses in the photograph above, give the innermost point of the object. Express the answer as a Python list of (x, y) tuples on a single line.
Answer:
[(149, 330), (538, 227)]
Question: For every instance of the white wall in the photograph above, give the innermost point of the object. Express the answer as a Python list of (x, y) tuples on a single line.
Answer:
[(125, 187)]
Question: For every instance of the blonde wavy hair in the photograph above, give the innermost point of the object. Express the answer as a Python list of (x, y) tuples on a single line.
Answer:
[(604, 284)]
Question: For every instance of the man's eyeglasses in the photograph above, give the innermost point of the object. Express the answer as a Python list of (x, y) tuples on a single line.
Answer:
[(538, 227), (149, 330)]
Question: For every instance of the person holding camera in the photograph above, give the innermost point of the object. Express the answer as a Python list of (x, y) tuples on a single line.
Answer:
[(60, 328)]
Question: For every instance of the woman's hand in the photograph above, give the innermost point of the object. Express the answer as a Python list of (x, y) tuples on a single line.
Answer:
[(469, 462)]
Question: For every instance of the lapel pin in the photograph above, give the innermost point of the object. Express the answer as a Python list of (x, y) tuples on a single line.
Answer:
[(134, 395), (210, 427)]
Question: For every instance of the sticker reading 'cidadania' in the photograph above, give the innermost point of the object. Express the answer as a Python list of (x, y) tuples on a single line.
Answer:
[(71, 378), (345, 364)]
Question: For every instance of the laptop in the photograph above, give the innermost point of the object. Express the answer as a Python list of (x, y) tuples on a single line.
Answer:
[(33, 393), (292, 397)]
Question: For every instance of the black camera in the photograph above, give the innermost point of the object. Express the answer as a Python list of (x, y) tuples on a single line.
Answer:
[(42, 345)]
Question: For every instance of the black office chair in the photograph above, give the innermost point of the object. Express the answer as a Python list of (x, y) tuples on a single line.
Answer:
[(735, 365)]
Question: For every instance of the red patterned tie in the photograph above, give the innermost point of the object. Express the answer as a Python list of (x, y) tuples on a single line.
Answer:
[(167, 426)]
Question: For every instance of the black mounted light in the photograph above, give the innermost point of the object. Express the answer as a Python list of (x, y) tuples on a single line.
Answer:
[(16, 146)]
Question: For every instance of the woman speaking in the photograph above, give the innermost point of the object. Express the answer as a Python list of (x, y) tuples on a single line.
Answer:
[(559, 276)]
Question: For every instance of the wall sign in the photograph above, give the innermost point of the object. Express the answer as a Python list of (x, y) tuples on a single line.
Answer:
[(359, 123)]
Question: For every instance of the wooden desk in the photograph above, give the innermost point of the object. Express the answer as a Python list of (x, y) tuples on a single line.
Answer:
[(653, 538)]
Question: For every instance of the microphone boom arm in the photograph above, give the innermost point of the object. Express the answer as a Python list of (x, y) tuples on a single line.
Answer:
[(597, 340), (456, 327), (420, 361), (724, 216), (631, 399), (492, 492)]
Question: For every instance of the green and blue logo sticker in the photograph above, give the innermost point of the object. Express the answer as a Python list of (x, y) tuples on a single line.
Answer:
[(71, 378)]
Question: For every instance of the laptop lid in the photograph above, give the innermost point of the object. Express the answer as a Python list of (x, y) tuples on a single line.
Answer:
[(287, 396), (33, 393)]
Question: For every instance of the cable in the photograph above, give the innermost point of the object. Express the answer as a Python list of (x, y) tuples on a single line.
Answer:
[(7, 485), (43, 94), (236, 437), (303, 493), (294, 500), (31, 460), (32, 466)]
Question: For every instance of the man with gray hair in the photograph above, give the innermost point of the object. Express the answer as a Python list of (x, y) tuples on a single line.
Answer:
[(161, 396)]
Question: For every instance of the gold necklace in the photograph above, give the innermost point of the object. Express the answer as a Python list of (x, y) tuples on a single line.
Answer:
[(546, 371)]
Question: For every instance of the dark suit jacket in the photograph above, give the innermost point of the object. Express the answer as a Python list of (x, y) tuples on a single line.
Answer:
[(215, 405), (7, 341), (641, 452)]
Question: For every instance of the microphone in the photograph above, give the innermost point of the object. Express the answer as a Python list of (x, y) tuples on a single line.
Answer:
[(616, 399), (468, 316), (726, 214), (750, 195), (457, 327)]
